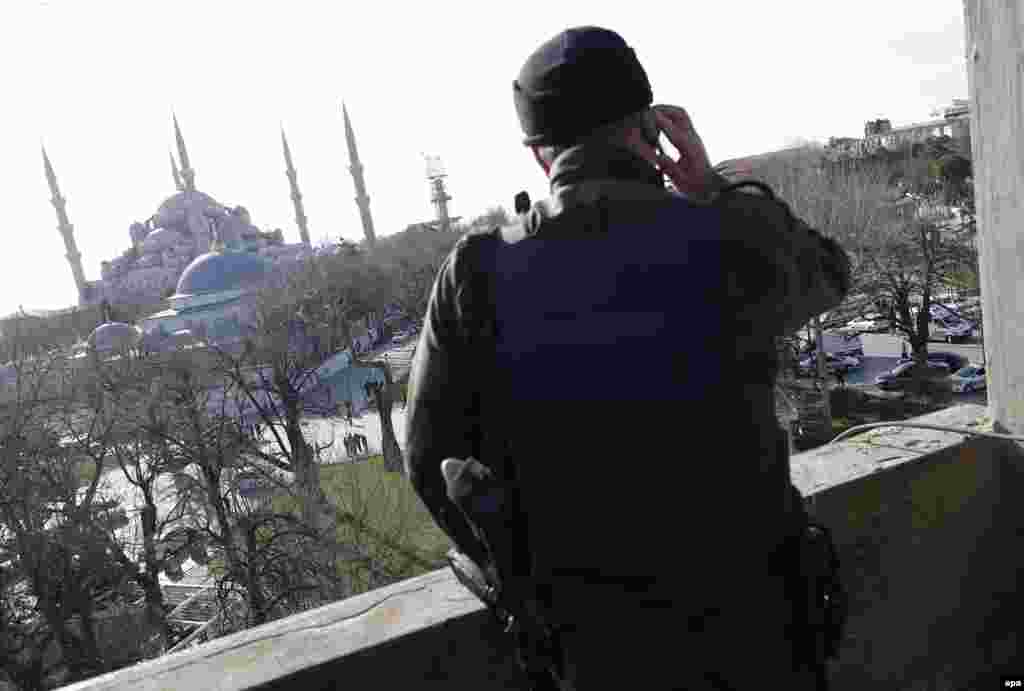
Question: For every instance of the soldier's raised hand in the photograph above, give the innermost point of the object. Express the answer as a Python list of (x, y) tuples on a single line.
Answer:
[(691, 174)]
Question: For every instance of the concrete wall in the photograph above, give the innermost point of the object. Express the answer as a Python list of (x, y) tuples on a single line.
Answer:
[(424, 633), (928, 530), (929, 533)]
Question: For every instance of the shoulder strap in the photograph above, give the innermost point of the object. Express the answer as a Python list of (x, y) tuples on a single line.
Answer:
[(485, 327)]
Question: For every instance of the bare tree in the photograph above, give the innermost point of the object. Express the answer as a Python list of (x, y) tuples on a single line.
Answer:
[(844, 205), (59, 537), (888, 212), (193, 426)]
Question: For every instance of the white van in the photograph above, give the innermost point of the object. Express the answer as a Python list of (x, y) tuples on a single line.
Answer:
[(842, 343), (949, 329)]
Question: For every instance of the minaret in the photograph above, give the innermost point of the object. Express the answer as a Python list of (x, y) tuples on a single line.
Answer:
[(356, 168), (186, 170), (300, 215), (174, 171), (66, 230)]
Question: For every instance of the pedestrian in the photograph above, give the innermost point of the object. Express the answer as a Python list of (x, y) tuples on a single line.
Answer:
[(840, 377), (348, 445), (585, 106)]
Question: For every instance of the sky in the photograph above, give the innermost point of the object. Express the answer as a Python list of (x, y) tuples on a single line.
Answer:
[(96, 82)]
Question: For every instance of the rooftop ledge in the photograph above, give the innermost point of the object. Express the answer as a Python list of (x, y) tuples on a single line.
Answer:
[(928, 528)]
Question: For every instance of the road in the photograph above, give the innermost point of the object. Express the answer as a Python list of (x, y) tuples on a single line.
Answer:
[(882, 352), (972, 351)]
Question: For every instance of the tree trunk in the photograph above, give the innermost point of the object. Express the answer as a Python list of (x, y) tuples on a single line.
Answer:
[(823, 374), (307, 473), (228, 541), (257, 602), (318, 513), (389, 442), (151, 578), (90, 643)]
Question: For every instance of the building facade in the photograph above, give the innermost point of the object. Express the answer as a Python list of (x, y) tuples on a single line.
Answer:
[(879, 134)]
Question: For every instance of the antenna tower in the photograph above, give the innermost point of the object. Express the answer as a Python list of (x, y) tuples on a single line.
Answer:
[(439, 196)]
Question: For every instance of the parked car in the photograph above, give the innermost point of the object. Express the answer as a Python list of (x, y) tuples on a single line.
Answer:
[(901, 374), (941, 309), (832, 363), (951, 360), (945, 324), (869, 322), (968, 379)]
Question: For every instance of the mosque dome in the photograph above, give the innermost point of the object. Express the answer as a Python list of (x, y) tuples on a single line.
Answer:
[(114, 336), (160, 240), (183, 201), (217, 272)]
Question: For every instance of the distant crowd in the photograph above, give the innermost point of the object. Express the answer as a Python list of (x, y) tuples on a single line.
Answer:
[(356, 445)]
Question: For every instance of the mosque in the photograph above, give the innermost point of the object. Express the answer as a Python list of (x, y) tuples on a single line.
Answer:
[(206, 259)]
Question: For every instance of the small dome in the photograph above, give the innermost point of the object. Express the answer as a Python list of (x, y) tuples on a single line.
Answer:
[(8, 374), (114, 336), (160, 240), (216, 272)]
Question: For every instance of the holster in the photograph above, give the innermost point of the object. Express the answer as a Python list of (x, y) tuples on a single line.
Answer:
[(819, 599)]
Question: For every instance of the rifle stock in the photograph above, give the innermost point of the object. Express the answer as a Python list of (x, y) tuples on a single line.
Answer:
[(481, 499)]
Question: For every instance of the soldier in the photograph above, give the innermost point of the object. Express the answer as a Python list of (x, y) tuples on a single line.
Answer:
[(585, 106)]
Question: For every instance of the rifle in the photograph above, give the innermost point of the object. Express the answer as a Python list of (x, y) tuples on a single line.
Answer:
[(512, 602)]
